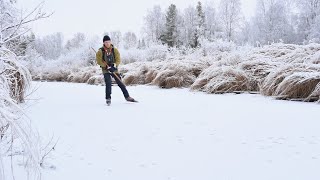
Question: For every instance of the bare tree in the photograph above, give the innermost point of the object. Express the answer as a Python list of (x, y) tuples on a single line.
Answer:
[(271, 22), (116, 37), (75, 42), (154, 24), (130, 40), (309, 19), (51, 46), (13, 23), (230, 17), (190, 24), (211, 22)]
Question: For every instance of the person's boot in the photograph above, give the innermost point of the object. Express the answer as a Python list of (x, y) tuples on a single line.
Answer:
[(130, 99), (108, 102)]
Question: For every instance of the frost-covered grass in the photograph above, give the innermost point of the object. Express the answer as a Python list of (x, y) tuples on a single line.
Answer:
[(16, 134), (280, 70), (284, 71)]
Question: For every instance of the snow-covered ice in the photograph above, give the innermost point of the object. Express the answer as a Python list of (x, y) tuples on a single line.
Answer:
[(174, 134)]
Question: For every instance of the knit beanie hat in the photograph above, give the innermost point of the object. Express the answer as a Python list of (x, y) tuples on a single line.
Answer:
[(106, 38)]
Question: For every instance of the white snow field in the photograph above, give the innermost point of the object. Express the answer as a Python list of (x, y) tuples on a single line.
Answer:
[(174, 134)]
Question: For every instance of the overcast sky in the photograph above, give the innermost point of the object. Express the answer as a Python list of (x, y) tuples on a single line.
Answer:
[(94, 17)]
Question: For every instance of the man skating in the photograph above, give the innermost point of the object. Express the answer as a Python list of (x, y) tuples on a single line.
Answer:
[(108, 58)]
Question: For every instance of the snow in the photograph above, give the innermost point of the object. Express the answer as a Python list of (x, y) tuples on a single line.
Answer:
[(173, 134)]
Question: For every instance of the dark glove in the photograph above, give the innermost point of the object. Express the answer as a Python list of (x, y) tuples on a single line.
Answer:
[(112, 69)]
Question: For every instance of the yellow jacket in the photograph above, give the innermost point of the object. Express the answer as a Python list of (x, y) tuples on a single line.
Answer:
[(102, 63)]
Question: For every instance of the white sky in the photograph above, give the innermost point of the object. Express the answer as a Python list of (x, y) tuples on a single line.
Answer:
[(94, 17)]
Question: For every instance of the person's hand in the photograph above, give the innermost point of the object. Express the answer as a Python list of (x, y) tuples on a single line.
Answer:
[(112, 69)]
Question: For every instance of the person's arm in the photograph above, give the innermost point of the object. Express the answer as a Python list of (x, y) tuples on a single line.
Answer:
[(99, 59), (117, 54)]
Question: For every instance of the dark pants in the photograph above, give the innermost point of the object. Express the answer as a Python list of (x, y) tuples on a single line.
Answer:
[(107, 80)]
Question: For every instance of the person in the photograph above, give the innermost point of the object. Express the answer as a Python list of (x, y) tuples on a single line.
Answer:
[(108, 57)]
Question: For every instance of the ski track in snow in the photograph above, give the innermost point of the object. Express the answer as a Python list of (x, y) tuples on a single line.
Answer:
[(175, 135)]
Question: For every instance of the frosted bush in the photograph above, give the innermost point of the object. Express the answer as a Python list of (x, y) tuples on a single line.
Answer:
[(15, 130)]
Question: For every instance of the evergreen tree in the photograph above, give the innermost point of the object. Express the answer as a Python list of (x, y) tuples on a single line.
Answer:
[(171, 33), (200, 26)]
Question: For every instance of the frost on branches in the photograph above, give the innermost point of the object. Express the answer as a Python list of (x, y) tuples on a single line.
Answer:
[(16, 134)]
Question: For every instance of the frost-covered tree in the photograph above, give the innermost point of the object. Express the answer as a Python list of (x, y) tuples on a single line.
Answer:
[(246, 34), (200, 25), (154, 24), (230, 18), (50, 46), (116, 37), (211, 24), (272, 22), (189, 22), (20, 44), (13, 23), (191, 27), (170, 36), (75, 42), (130, 40), (308, 23), (315, 30), (180, 29), (141, 44)]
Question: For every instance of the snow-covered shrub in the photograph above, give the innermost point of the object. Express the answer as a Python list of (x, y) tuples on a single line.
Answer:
[(132, 55), (315, 94), (67, 64), (316, 58), (84, 75), (96, 80), (18, 76), (165, 74), (153, 53), (257, 71), (287, 53), (50, 46), (222, 79), (211, 48), (177, 73), (140, 72), (174, 78), (156, 52), (16, 132), (297, 81), (17, 136)]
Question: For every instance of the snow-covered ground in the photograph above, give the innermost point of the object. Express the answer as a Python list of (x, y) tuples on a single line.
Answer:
[(174, 134)]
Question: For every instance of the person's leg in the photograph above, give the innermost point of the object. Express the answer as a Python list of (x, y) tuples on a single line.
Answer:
[(122, 86), (107, 80)]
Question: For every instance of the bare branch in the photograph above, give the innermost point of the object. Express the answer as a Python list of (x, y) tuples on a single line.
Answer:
[(14, 37), (25, 20), (49, 151)]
